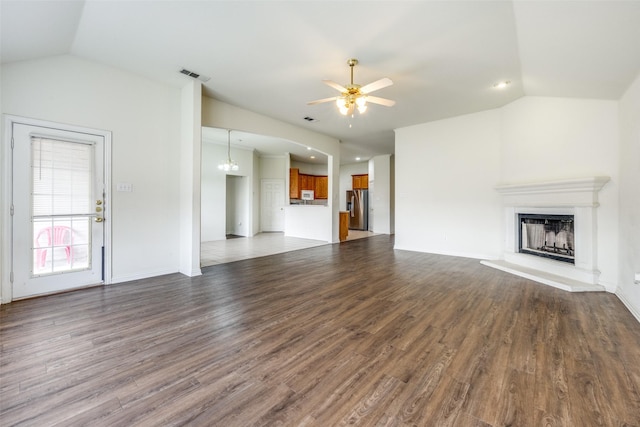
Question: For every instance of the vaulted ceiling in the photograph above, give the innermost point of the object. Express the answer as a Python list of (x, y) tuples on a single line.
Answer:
[(270, 57)]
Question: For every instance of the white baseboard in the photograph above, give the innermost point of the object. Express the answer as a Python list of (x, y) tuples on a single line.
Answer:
[(446, 253), (143, 275), (193, 273), (634, 310)]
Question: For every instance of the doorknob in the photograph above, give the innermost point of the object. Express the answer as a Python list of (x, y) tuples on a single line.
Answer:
[(99, 219)]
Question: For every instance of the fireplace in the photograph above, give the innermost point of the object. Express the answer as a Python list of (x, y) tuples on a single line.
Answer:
[(557, 222), (547, 236)]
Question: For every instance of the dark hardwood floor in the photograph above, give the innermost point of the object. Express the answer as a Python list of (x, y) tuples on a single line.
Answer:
[(352, 333)]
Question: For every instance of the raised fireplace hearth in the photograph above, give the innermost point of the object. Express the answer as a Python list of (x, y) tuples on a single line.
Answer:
[(551, 232)]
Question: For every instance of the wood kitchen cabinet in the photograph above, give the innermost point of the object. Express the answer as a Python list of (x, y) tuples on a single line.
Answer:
[(321, 187), (302, 181), (344, 226), (294, 182), (360, 182), (307, 182)]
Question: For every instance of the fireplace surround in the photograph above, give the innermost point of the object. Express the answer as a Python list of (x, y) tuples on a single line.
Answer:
[(574, 198)]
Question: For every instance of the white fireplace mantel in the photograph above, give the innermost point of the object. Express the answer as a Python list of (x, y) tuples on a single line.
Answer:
[(577, 197), (569, 192)]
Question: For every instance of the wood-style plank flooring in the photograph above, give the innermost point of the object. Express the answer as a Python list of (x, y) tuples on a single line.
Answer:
[(351, 333)]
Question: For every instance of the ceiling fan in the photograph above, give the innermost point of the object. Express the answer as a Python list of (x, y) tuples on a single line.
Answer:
[(355, 96)]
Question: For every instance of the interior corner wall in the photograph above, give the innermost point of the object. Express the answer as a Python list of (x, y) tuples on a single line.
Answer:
[(546, 139), (629, 215), (446, 172), (144, 118), (445, 176)]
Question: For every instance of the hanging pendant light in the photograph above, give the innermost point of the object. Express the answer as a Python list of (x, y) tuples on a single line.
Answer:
[(229, 165)]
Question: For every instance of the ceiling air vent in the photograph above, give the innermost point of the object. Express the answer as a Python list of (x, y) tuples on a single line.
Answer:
[(194, 75)]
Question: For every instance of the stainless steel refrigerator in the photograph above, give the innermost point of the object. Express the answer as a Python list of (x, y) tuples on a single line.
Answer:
[(358, 207)]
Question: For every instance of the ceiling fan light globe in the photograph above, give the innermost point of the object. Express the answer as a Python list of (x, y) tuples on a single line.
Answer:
[(361, 101), (362, 109)]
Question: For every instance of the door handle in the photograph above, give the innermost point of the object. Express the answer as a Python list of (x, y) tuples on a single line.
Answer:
[(99, 219)]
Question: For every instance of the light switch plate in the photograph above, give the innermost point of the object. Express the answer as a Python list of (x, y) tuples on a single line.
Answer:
[(124, 186)]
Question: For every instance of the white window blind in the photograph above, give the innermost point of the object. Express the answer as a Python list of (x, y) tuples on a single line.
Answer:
[(62, 175)]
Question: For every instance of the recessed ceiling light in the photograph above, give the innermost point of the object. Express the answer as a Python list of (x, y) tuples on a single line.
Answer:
[(312, 157), (502, 85), (308, 148), (357, 159)]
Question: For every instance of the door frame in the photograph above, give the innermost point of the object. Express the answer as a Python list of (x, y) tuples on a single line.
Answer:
[(6, 219)]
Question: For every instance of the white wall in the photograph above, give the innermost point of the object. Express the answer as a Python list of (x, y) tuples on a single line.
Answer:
[(310, 168), (144, 118), (213, 224), (629, 213), (445, 174), (380, 220), (273, 167), (237, 205), (306, 222), (190, 185), (557, 138), (254, 190)]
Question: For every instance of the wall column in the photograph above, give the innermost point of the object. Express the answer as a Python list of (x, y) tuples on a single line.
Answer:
[(190, 150)]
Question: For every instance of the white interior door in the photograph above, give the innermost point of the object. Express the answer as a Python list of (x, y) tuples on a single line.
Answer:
[(58, 209), (272, 205)]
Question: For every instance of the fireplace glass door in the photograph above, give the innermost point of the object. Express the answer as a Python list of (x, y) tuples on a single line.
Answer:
[(548, 236)]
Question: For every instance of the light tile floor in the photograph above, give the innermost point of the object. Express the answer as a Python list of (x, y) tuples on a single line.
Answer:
[(263, 244)]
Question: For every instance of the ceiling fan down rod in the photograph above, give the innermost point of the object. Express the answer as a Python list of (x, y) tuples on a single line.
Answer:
[(352, 63)]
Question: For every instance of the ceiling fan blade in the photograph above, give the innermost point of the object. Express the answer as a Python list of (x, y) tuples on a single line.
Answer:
[(335, 85), (320, 101), (378, 84), (381, 101)]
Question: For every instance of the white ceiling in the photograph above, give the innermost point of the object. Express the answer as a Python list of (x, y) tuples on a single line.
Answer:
[(270, 56)]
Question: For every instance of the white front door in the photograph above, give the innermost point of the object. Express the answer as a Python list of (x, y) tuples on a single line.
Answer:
[(58, 209), (272, 205)]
